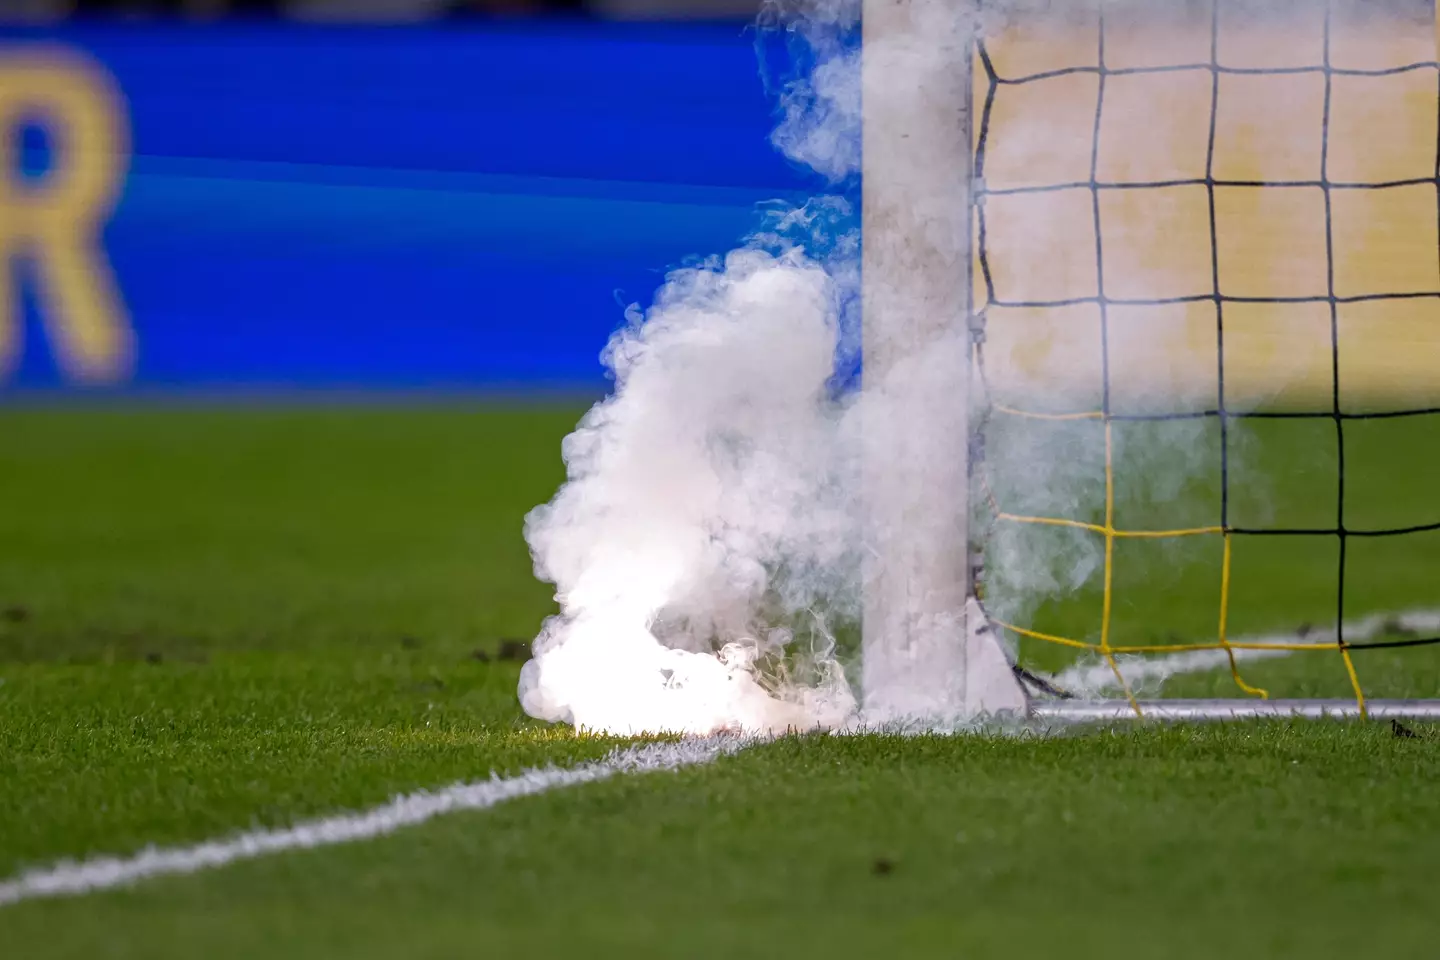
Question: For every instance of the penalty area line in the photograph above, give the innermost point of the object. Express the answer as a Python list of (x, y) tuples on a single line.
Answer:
[(74, 878)]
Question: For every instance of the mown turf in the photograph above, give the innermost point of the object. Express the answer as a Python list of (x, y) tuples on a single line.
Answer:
[(215, 618), (96, 759), (139, 531), (1167, 844), (211, 619)]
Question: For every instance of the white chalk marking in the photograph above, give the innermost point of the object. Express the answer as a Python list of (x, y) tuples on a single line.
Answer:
[(72, 878), (1093, 679)]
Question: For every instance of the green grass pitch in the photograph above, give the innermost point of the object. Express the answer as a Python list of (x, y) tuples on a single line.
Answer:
[(215, 619)]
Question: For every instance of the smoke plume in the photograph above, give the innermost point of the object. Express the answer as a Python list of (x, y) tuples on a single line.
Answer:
[(705, 542)]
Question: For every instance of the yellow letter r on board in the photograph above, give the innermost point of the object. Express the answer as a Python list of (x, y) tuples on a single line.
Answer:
[(53, 222)]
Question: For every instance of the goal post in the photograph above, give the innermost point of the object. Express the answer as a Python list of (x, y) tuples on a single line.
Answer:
[(918, 658), (1107, 212)]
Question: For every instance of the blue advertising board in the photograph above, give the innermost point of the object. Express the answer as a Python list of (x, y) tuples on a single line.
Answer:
[(295, 207)]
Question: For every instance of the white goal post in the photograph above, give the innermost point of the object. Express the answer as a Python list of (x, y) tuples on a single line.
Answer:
[(927, 648)]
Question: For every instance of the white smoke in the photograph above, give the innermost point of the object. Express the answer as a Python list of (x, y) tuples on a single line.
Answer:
[(820, 124), (707, 536), (709, 486)]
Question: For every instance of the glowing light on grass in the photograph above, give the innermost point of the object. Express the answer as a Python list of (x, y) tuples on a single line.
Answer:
[(707, 504), (709, 514)]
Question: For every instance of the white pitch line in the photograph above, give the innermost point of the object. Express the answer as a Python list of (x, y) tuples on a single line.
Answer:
[(72, 878), (1092, 679)]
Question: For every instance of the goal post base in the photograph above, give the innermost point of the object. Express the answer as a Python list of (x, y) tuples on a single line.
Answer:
[(991, 686), (1099, 711)]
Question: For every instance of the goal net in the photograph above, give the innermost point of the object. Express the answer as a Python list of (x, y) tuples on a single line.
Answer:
[(1197, 249)]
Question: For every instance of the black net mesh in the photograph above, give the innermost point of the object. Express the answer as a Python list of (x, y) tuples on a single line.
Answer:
[(1304, 178)]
